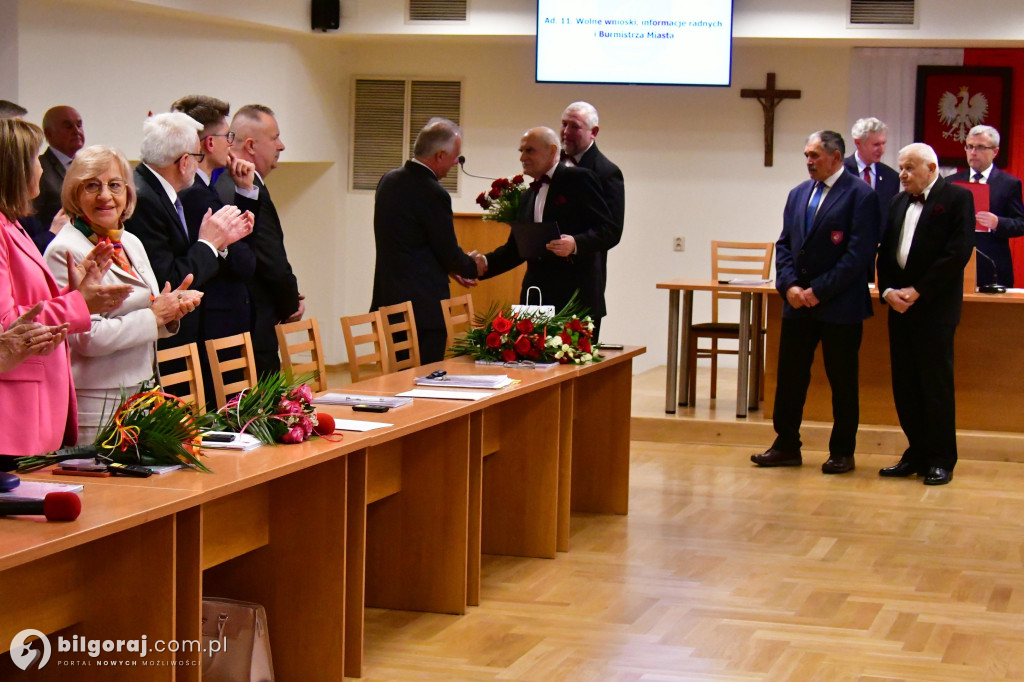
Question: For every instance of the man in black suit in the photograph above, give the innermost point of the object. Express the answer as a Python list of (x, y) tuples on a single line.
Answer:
[(869, 137), (415, 238), (822, 259), (579, 148), (274, 289), (921, 277), (62, 126), (171, 154), (226, 308), (570, 197), (1005, 215)]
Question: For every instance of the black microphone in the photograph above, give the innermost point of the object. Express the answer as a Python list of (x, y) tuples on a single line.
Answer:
[(462, 165), (994, 287), (61, 506)]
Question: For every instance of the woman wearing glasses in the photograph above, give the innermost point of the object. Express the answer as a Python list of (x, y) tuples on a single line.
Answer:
[(120, 348)]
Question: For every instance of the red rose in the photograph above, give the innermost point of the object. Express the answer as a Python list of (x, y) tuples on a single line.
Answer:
[(502, 325), (522, 345), (585, 345), (289, 407), (508, 355), (498, 183), (574, 326), (483, 201), (517, 180), (566, 339), (293, 435), (560, 200), (493, 340), (524, 326), (494, 193), (562, 360)]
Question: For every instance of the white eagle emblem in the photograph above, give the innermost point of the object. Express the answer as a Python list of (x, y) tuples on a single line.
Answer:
[(961, 112)]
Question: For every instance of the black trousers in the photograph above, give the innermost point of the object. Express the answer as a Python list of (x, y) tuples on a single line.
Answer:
[(840, 346), (922, 388)]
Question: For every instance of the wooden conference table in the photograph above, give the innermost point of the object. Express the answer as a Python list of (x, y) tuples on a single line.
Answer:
[(396, 517), (677, 379)]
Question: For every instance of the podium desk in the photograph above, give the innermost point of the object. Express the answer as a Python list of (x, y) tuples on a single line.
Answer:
[(397, 516), (677, 375), (988, 362)]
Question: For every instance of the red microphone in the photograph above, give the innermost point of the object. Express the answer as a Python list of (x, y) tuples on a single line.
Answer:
[(55, 506)]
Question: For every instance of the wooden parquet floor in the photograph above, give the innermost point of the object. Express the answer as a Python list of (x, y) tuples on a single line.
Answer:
[(723, 571)]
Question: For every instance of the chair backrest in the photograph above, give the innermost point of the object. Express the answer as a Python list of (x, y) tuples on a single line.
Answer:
[(240, 357), (404, 327), (458, 316), (192, 375), (310, 343), (378, 354), (738, 260)]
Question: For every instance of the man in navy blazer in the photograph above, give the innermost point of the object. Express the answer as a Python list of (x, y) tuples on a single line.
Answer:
[(570, 197), (829, 236), (869, 137), (921, 277), (414, 234), (1005, 215)]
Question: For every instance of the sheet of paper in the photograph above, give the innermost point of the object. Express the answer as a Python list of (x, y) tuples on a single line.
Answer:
[(354, 399), (465, 381), (357, 425), (446, 395)]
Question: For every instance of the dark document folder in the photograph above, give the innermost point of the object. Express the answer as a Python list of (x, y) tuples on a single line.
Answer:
[(532, 238)]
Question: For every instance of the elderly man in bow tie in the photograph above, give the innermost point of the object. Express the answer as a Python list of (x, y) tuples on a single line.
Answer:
[(569, 197)]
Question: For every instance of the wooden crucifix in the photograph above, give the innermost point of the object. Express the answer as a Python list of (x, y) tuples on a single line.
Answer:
[(769, 98)]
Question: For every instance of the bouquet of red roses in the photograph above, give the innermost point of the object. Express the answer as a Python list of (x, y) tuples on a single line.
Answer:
[(502, 201)]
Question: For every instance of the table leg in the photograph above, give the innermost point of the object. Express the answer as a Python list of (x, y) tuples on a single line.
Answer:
[(758, 360), (743, 371), (673, 351), (684, 355)]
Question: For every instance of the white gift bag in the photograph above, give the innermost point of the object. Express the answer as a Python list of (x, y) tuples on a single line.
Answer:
[(534, 310)]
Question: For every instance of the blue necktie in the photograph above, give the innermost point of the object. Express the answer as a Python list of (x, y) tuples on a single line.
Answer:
[(181, 216), (978, 177), (812, 207)]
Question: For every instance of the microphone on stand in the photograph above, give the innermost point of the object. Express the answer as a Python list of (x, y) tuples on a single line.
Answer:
[(462, 165), (994, 287)]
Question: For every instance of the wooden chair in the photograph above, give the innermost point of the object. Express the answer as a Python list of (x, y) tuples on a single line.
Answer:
[(378, 356), (458, 316), (310, 343), (245, 362), (192, 375), (405, 330), (729, 260)]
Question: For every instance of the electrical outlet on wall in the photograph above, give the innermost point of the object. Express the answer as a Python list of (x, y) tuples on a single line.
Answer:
[(679, 244)]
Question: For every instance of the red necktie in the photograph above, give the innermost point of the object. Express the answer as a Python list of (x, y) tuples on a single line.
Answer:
[(867, 175)]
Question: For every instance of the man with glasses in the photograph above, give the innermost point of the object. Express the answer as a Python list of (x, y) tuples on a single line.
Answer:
[(1005, 215), (171, 154)]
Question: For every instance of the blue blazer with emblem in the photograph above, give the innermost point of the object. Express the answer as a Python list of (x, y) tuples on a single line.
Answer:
[(835, 258)]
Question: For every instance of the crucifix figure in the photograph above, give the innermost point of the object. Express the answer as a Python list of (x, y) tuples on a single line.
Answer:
[(769, 98)]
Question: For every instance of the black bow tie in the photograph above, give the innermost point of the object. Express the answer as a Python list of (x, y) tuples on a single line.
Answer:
[(917, 198), (536, 184)]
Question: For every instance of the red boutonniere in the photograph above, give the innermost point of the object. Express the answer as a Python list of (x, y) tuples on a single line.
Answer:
[(560, 200), (938, 210)]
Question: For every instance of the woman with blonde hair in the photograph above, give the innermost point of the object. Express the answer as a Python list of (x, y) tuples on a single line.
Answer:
[(118, 352), (37, 399)]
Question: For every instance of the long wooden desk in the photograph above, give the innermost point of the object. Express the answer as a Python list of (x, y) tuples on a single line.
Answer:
[(751, 302), (989, 365), (394, 517)]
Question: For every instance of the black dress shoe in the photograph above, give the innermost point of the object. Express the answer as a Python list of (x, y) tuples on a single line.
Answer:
[(938, 476), (837, 465), (901, 469), (777, 458)]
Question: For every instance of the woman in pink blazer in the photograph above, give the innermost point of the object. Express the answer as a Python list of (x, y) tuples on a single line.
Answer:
[(37, 399)]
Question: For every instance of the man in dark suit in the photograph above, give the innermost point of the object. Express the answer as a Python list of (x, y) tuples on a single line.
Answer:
[(570, 197), (869, 138), (829, 236), (1005, 215), (274, 289), (415, 236), (170, 156), (921, 277), (579, 148), (226, 308), (62, 126)]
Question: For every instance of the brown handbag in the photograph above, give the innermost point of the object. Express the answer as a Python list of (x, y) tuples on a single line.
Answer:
[(243, 654)]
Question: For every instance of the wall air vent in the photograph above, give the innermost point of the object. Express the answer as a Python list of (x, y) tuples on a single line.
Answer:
[(884, 12), (437, 10)]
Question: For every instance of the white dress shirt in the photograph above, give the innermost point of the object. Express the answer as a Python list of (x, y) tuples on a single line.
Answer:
[(910, 226), (542, 196)]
